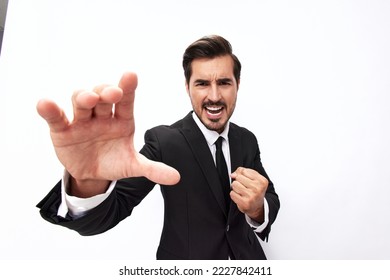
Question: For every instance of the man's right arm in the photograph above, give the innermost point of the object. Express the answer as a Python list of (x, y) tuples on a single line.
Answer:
[(97, 146), (115, 206)]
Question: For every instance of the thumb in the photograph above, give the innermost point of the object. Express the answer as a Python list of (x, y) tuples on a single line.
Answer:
[(158, 172)]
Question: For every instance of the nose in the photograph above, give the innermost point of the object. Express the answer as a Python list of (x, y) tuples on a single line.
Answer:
[(214, 93)]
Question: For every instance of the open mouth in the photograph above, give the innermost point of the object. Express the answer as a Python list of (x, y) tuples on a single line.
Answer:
[(214, 110)]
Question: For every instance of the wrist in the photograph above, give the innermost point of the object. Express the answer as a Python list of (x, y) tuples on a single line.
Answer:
[(87, 188), (257, 216)]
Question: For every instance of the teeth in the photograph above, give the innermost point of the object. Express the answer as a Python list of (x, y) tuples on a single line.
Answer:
[(215, 109)]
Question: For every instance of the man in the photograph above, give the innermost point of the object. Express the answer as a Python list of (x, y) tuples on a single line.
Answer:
[(207, 214)]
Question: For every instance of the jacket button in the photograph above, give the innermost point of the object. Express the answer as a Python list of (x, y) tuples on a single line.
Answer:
[(227, 228)]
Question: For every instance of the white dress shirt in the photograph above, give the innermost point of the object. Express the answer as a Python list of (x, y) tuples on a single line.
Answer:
[(77, 207), (211, 137)]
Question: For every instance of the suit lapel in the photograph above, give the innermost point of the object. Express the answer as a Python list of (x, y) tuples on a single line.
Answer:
[(201, 151)]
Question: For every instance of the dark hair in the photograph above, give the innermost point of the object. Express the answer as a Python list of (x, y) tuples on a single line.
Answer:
[(209, 47)]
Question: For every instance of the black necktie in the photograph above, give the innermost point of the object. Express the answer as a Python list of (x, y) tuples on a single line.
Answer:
[(222, 171)]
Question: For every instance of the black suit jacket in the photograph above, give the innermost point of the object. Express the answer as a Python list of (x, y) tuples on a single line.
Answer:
[(196, 223)]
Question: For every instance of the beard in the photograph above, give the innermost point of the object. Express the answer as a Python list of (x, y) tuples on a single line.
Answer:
[(217, 124)]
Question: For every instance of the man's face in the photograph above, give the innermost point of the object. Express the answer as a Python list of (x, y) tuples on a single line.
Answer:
[(213, 91)]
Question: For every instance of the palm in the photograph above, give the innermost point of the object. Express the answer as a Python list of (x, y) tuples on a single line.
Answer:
[(98, 149)]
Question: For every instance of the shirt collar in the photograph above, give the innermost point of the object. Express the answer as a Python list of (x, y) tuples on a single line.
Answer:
[(211, 135)]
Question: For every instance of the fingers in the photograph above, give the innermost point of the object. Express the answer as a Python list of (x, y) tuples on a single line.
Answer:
[(248, 181), (54, 115), (125, 107), (247, 172), (108, 96), (83, 104), (99, 103), (248, 191), (86, 104)]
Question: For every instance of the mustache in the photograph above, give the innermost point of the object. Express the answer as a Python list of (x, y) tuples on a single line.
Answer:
[(217, 104)]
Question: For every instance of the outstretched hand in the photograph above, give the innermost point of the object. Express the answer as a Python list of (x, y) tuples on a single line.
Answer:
[(99, 143)]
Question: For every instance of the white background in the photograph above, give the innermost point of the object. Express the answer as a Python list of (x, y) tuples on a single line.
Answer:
[(315, 90)]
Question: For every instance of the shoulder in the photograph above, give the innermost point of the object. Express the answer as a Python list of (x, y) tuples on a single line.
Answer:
[(242, 132), (164, 130), (172, 129), (164, 133), (162, 139)]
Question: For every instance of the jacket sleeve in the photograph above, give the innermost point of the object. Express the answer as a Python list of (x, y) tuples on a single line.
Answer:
[(127, 194), (271, 196)]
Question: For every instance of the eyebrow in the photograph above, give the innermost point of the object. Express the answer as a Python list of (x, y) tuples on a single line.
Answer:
[(201, 81), (224, 80)]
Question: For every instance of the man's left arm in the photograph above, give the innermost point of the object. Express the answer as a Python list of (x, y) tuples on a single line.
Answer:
[(255, 196), (256, 226)]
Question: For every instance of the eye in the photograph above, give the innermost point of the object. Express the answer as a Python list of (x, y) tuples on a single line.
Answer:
[(201, 83), (224, 82)]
